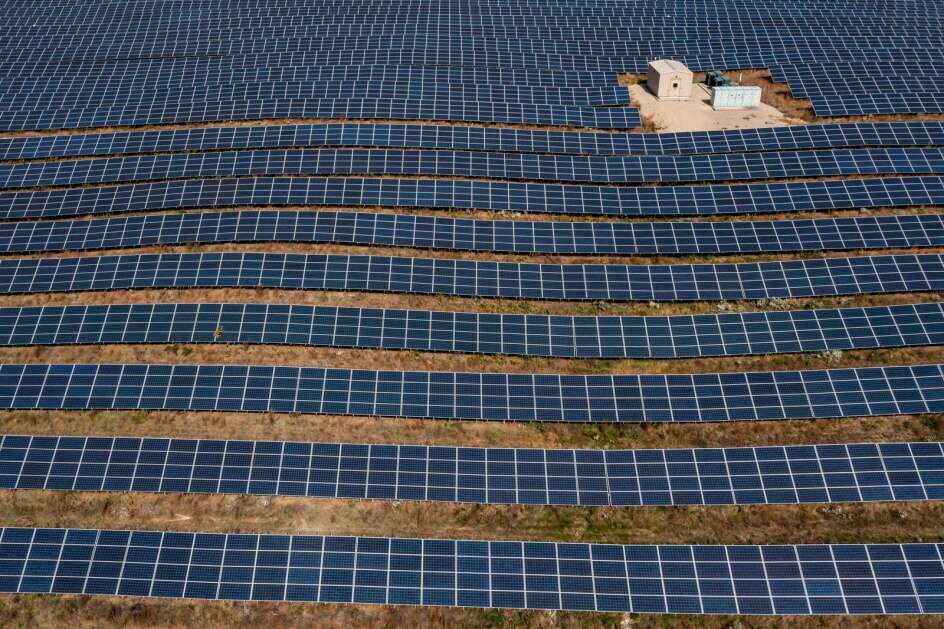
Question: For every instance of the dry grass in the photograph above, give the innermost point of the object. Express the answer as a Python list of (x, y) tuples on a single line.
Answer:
[(83, 612), (776, 95)]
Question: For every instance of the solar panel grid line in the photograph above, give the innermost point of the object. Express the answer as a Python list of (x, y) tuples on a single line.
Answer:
[(711, 579), (430, 232), (474, 139), (792, 278), (832, 473), (565, 168), (758, 198), (757, 396)]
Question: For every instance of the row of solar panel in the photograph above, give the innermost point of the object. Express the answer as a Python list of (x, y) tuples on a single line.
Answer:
[(569, 168), (831, 70), (430, 232), (878, 103), (784, 579), (185, 74), (306, 24), (481, 195), (490, 16), (198, 38), (527, 95), (621, 50), (598, 282), (707, 476), (226, 27), (173, 13), (219, 70), (260, 41), (825, 85), (455, 56), (712, 397), (442, 109), (496, 22), (679, 336), (694, 57), (186, 32), (496, 139)]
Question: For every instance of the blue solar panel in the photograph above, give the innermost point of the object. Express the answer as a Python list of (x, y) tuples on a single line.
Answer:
[(275, 90), (835, 473), (773, 580), (709, 397), (182, 74), (680, 282), (439, 109), (430, 232), (477, 139), (481, 195), (678, 336), (602, 169)]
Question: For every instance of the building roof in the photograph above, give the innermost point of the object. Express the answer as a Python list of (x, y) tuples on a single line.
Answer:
[(665, 66)]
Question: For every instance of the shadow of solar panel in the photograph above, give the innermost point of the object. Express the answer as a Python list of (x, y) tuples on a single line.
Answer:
[(479, 396), (772, 580), (835, 473), (430, 232)]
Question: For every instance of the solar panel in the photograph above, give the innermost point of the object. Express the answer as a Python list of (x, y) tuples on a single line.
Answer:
[(680, 282), (431, 232), (709, 397), (180, 73), (834, 473), (439, 109), (772, 580), (476, 139), (274, 90), (695, 54), (602, 169), (482, 195), (677, 336), (343, 47)]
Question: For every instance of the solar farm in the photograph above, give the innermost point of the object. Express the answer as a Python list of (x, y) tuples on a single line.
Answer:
[(470, 313)]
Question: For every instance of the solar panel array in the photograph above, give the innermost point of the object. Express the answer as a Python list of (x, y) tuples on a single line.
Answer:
[(269, 109), (699, 397), (865, 472), (783, 579), (678, 336), (480, 195), (567, 168), (513, 280), (475, 139), (433, 232)]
